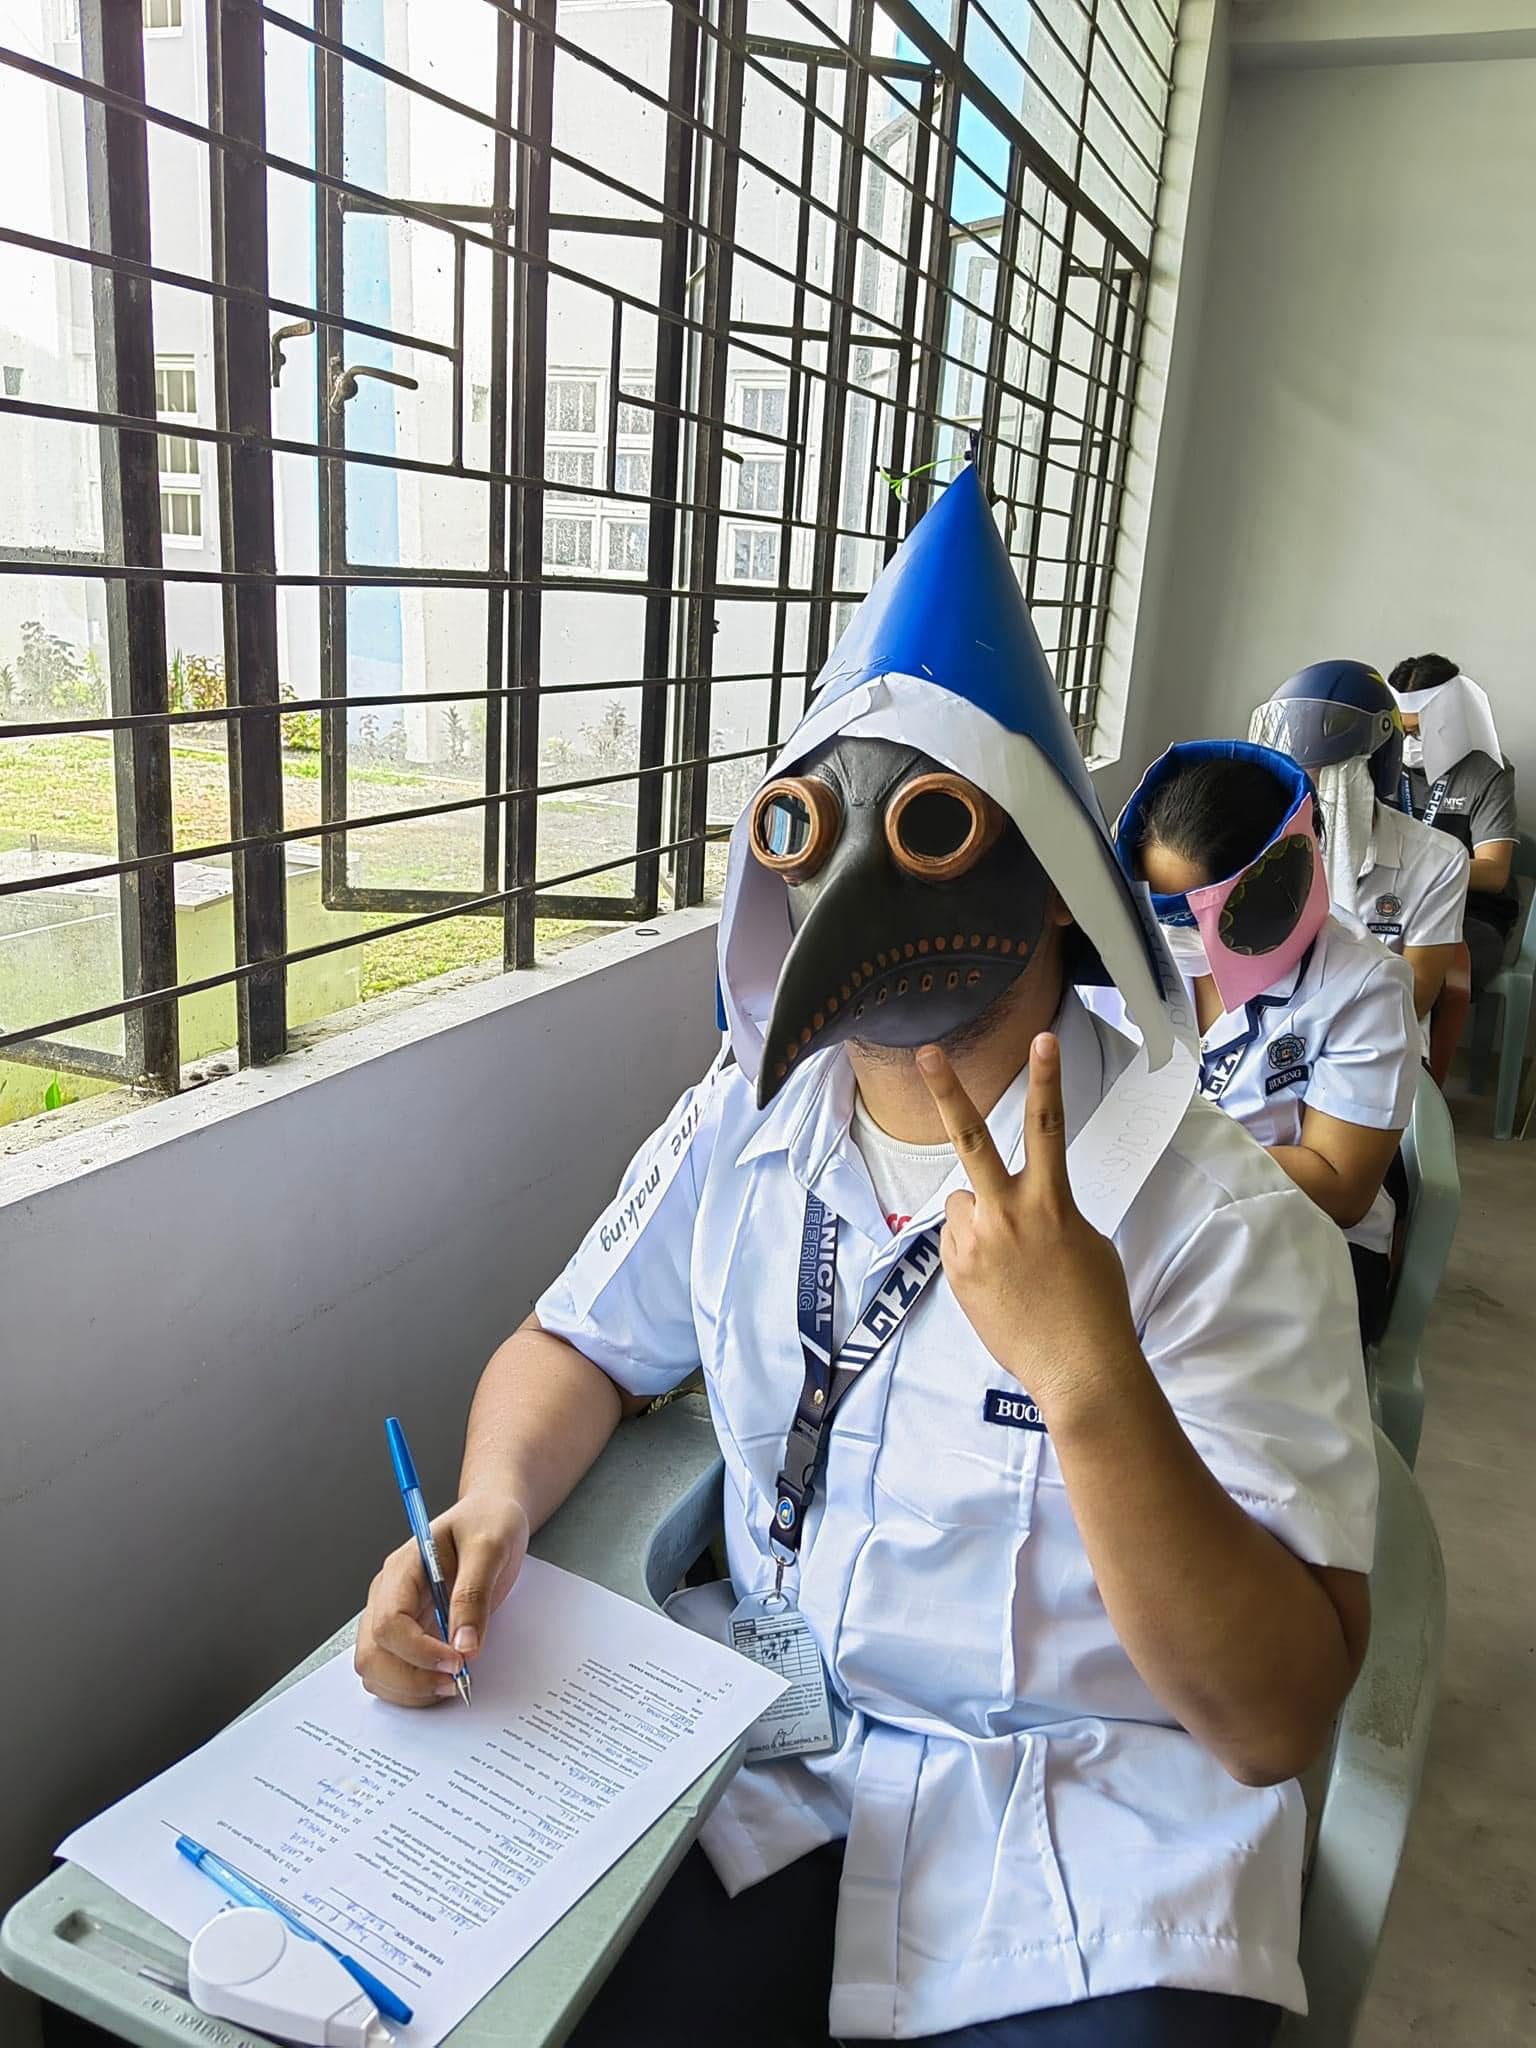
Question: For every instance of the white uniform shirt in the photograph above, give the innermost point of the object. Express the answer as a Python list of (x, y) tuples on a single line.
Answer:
[(1336, 1034), (1414, 893), (1025, 1824)]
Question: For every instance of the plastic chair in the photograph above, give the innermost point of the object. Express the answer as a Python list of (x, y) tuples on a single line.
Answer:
[(1376, 1766), (1434, 1205), (1511, 986), (1449, 1014)]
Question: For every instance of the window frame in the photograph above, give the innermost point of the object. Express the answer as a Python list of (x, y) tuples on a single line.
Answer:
[(845, 395)]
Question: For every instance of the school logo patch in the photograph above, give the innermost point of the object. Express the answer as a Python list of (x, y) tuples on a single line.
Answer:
[(1287, 1051), (1288, 1058), (1389, 906)]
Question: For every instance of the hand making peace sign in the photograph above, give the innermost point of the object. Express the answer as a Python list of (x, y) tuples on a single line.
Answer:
[(1043, 1290)]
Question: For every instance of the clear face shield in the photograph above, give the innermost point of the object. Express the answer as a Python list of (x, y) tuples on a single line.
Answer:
[(1317, 732)]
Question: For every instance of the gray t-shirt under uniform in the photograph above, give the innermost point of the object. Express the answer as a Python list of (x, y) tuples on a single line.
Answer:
[(1477, 805)]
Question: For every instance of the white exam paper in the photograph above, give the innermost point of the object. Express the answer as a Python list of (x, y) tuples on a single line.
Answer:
[(437, 1847)]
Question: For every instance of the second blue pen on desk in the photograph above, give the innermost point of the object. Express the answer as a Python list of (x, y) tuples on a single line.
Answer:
[(416, 1510), (234, 1884)]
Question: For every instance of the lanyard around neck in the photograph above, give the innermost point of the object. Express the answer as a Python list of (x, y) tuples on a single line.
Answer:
[(1432, 803), (828, 1378)]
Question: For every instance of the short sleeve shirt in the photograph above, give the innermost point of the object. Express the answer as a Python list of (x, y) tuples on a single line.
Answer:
[(1336, 1034), (1414, 893), (1477, 806), (1025, 1824)]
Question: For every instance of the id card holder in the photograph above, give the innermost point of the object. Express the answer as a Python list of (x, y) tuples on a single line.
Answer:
[(771, 1630)]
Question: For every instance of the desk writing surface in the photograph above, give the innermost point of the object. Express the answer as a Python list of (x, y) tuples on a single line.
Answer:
[(638, 1519)]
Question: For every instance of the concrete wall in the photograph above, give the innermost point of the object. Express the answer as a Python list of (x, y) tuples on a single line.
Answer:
[(1358, 477), (1140, 709), (208, 1307)]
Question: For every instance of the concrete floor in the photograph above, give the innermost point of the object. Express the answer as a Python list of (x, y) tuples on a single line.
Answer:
[(1458, 1963)]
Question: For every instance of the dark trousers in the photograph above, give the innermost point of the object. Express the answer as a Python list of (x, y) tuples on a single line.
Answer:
[(1373, 1274), (1485, 942), (755, 1971)]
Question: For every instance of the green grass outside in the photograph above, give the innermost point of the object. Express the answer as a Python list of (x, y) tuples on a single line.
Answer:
[(60, 793)]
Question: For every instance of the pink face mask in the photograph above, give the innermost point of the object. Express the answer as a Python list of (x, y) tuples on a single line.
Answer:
[(1259, 922)]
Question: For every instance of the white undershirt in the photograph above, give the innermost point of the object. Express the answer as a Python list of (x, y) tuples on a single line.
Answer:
[(905, 1177)]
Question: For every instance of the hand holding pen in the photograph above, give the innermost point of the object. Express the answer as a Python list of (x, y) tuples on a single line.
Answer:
[(480, 1543)]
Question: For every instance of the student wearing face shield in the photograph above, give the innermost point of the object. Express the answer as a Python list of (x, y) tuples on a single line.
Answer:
[(1037, 1388), (1388, 874), (1307, 1031), (1456, 779)]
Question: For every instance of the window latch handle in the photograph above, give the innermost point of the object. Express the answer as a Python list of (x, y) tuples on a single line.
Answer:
[(345, 386), (292, 332)]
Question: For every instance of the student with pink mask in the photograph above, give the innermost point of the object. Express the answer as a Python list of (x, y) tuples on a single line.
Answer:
[(1307, 1029)]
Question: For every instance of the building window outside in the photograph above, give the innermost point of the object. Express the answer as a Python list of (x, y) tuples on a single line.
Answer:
[(762, 408), (570, 405), (632, 472), (162, 17), (754, 555), (635, 420), (13, 380), (624, 550), (575, 468), (181, 474), (567, 543), (760, 484)]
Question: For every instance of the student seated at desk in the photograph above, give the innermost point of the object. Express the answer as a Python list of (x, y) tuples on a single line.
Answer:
[(1456, 779), (1077, 1524), (1388, 874), (1307, 1030)]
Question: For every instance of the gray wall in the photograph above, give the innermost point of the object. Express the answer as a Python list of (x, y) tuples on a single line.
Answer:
[(1359, 475), (208, 1308)]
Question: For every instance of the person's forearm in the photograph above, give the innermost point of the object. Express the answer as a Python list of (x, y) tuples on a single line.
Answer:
[(1489, 873), (1232, 1633), (540, 1416), (1429, 966), (1319, 1178)]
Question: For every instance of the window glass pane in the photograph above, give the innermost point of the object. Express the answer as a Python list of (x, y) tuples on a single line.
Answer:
[(626, 545), (635, 420), (574, 467), (570, 405), (760, 484), (567, 543)]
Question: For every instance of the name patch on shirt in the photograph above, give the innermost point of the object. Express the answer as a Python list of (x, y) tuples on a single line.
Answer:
[(1384, 930), (1013, 1411)]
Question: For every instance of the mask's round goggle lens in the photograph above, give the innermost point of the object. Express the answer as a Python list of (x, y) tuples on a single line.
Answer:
[(794, 823), (938, 826)]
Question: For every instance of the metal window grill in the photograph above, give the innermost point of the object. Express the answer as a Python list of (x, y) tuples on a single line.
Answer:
[(572, 368)]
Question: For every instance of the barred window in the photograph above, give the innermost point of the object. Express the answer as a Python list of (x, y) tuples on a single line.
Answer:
[(412, 568)]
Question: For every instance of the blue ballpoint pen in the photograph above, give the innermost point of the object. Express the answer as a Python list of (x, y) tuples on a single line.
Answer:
[(246, 1892), (416, 1510)]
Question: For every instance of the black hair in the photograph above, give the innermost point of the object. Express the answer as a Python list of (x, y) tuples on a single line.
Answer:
[(1219, 813), (1423, 672)]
